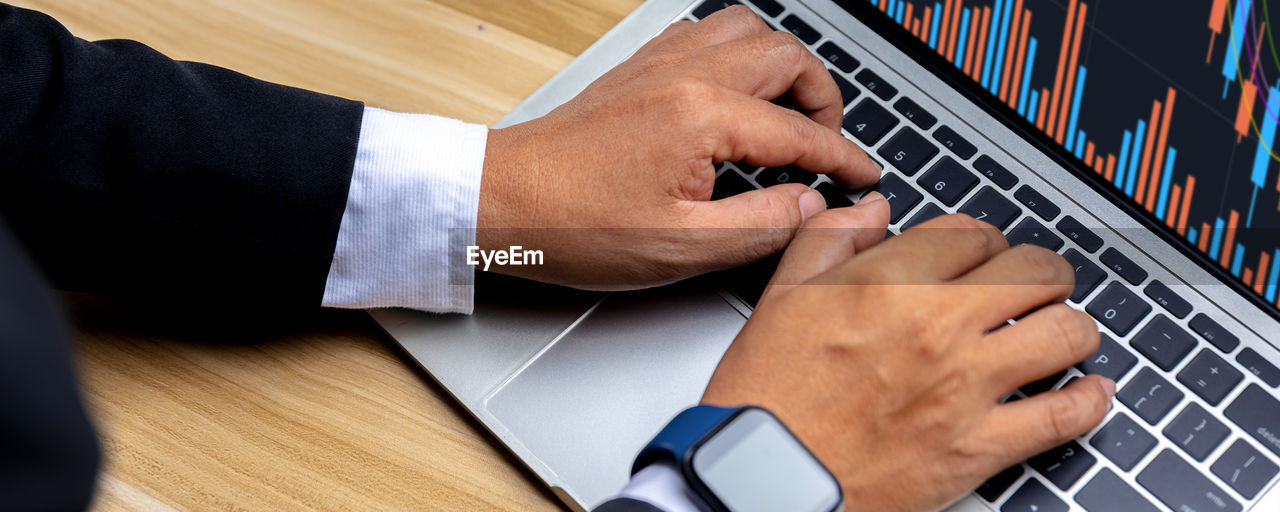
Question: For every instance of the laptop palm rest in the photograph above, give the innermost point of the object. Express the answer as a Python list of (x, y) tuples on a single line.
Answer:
[(589, 401)]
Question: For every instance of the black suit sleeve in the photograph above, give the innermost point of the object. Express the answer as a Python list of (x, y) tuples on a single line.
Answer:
[(126, 172)]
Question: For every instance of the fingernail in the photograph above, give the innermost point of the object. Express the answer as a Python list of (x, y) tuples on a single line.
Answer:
[(811, 202), (871, 197), (1109, 386)]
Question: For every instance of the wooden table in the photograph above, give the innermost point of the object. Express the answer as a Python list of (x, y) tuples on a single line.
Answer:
[(331, 415)]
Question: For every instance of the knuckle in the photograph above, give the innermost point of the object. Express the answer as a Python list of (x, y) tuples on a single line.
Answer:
[(1064, 416), (687, 94), (974, 234)]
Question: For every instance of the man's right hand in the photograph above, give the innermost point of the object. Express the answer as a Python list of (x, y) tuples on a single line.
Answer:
[(885, 365)]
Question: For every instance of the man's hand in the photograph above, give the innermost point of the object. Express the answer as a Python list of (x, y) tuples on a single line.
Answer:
[(613, 186), (883, 365)]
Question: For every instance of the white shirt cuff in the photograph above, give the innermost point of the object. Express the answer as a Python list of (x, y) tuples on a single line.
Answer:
[(660, 484), (411, 212)]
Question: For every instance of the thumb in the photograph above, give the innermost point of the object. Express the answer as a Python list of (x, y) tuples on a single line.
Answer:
[(753, 225)]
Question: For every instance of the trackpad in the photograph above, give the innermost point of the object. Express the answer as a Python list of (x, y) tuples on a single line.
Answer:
[(586, 405)]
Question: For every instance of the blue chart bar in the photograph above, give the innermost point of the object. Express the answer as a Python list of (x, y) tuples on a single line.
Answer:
[(964, 33), (1001, 47), (1237, 260), (1191, 235), (1275, 278), (1214, 247), (1079, 152), (889, 8), (1238, 22), (1165, 181), (1122, 169), (933, 28), (1030, 113), (1133, 159), (1262, 156), (1075, 110), (1026, 78), (899, 14), (991, 44)]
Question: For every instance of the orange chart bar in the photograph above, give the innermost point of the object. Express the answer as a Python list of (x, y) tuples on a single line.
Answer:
[(1063, 51), (1072, 64), (976, 72), (1175, 196), (1158, 166), (1248, 91), (1263, 262), (1232, 222), (1017, 64), (1145, 168), (955, 30), (1186, 205), (1014, 30), (944, 23), (1044, 107), (974, 21), (1204, 237), (1111, 166)]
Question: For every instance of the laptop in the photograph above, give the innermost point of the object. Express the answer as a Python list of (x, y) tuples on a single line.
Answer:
[(1133, 138)]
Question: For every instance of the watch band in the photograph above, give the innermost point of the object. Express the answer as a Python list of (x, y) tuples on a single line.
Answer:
[(682, 433)]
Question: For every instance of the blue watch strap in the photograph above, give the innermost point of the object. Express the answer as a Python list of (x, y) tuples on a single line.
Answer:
[(681, 433)]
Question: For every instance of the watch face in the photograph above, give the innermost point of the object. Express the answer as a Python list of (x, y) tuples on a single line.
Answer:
[(755, 464)]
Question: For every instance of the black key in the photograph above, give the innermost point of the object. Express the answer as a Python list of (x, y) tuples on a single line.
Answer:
[(1182, 487), (1210, 376), (907, 151), (711, 6), (948, 181), (1263, 369), (991, 207), (1033, 496), (1118, 308), (1163, 342), (902, 197), (730, 183), (998, 484), (1149, 395), (1258, 413), (954, 142), (1244, 468), (834, 196), (929, 211), (868, 121), (1037, 203), (995, 172), (1031, 232), (914, 113), (875, 84), (1111, 360), (1123, 441), (801, 30), (1214, 333), (1079, 234), (1196, 431), (1106, 492), (1088, 275), (1063, 465), (837, 57), (1168, 300), (770, 7), (1122, 265), (848, 91), (785, 174), (1042, 385)]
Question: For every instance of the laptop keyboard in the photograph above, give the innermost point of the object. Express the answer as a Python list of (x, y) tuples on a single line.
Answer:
[(1199, 424)]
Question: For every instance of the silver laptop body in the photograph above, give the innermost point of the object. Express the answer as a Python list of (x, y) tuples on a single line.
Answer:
[(575, 383)]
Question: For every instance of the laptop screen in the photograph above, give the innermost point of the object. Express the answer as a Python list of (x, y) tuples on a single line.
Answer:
[(1173, 106)]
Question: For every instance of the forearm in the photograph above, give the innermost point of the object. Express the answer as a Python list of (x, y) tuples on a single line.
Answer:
[(131, 173)]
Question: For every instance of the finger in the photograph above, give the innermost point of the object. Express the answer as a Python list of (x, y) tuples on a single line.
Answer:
[(1014, 282), (729, 24), (1039, 345), (828, 239), (1028, 427), (753, 225), (938, 250), (768, 135), (766, 66)]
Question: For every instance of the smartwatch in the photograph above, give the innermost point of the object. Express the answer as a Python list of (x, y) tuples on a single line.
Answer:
[(743, 459)]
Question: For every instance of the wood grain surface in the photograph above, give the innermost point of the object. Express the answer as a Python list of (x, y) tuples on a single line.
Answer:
[(328, 414)]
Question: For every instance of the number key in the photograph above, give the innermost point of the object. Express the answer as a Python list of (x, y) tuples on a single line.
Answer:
[(868, 121), (907, 151), (1118, 308), (948, 181)]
